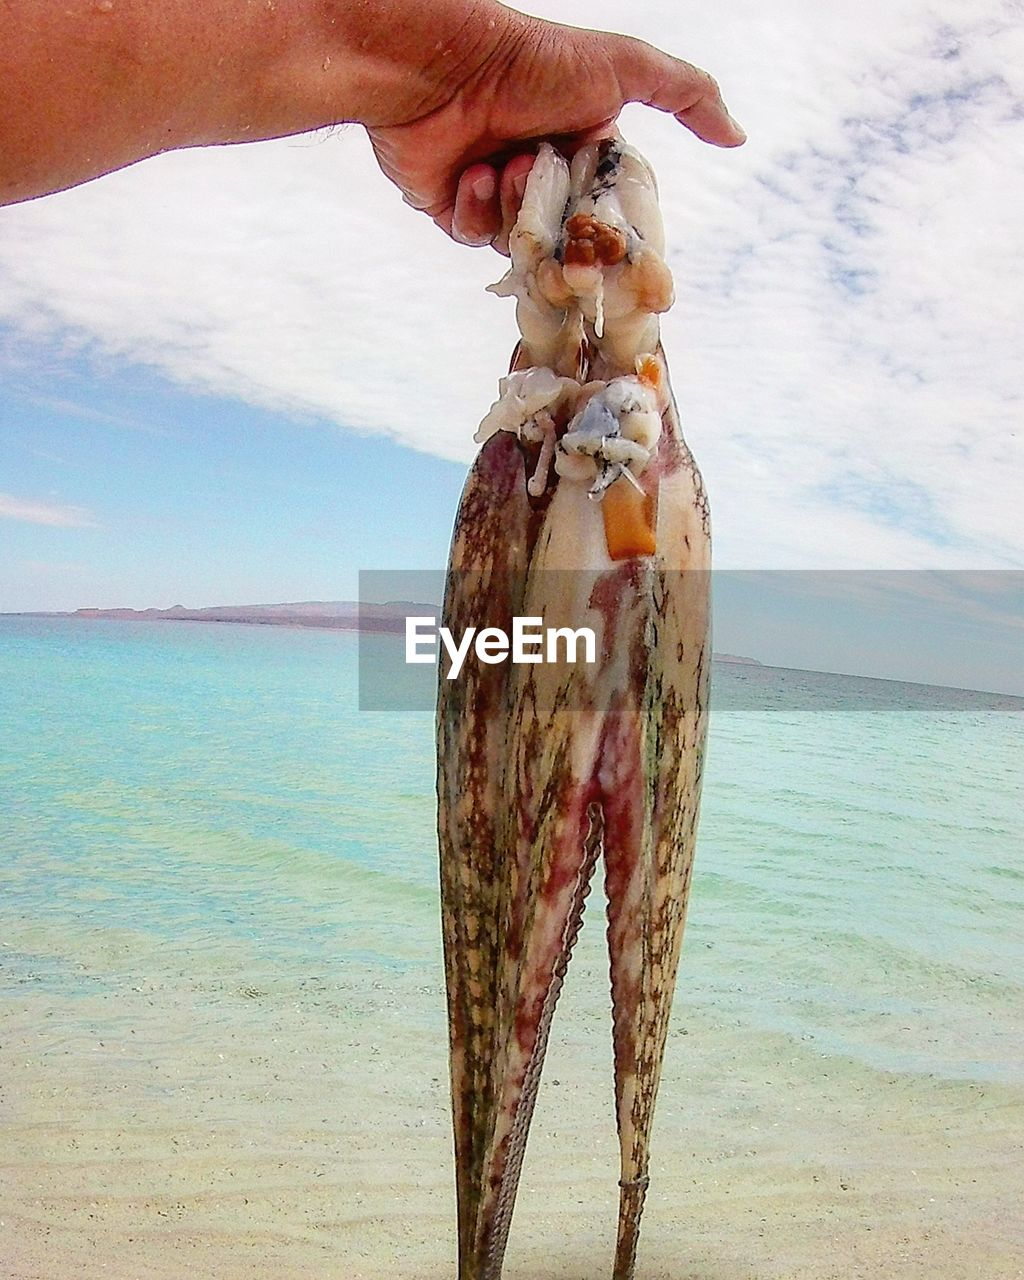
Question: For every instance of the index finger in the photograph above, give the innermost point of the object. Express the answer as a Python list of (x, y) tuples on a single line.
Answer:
[(656, 79)]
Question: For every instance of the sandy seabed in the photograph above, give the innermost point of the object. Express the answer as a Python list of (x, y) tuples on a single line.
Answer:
[(224, 1131)]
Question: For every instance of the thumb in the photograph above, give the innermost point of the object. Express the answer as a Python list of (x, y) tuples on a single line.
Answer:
[(647, 75)]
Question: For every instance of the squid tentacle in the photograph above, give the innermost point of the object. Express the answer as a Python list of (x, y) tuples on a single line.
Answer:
[(495, 1228)]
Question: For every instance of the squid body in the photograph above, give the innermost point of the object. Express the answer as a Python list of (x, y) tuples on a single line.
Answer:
[(585, 509)]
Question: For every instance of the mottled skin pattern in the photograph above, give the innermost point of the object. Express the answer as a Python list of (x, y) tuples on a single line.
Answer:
[(487, 571), (544, 768), (541, 768), (651, 822)]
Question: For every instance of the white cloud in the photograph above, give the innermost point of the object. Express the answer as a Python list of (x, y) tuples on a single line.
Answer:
[(55, 514), (288, 274), (850, 283), (71, 409)]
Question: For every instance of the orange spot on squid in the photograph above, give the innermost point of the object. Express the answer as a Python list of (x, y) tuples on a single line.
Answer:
[(628, 521)]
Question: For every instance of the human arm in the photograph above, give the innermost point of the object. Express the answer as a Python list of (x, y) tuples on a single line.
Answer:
[(453, 93)]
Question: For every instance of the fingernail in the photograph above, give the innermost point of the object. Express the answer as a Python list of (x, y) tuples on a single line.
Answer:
[(468, 238), (484, 187), (519, 184)]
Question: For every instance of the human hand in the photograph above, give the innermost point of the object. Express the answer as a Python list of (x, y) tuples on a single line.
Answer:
[(456, 94), (465, 160)]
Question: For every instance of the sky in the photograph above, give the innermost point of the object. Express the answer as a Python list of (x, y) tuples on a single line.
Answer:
[(242, 374)]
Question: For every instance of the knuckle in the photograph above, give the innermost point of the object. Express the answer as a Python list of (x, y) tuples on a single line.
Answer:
[(709, 83), (704, 79)]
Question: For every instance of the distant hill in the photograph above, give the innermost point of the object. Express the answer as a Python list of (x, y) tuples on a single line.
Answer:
[(338, 615), (334, 615)]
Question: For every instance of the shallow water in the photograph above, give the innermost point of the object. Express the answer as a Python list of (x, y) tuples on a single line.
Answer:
[(860, 876)]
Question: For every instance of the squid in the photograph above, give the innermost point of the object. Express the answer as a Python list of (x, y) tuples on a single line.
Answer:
[(584, 508)]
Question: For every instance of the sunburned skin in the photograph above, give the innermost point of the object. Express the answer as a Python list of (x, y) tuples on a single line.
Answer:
[(584, 508)]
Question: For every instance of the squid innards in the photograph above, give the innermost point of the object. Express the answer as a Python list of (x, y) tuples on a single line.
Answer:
[(584, 507)]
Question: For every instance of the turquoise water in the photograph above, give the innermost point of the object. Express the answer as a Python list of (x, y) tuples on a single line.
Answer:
[(209, 798)]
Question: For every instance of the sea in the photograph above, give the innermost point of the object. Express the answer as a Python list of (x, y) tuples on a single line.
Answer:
[(200, 830)]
